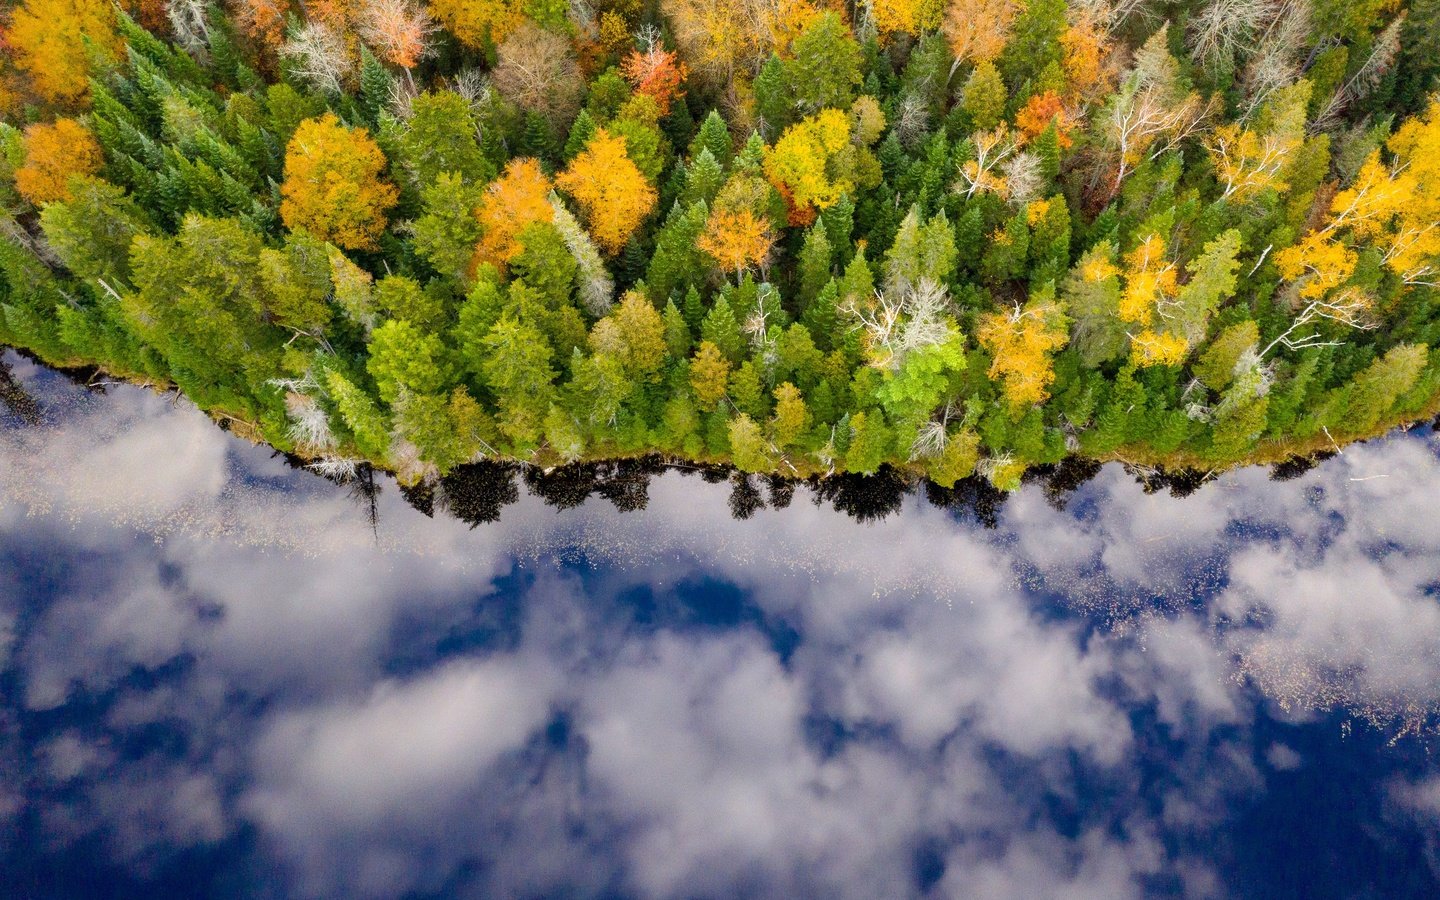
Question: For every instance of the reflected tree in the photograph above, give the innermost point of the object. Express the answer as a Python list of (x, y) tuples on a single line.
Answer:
[(1062, 479), (476, 493), (745, 498), (971, 498), (864, 498)]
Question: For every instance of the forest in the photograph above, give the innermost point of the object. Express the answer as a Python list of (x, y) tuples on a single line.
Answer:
[(949, 238)]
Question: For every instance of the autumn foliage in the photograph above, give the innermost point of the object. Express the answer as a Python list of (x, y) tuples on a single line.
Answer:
[(53, 153), (657, 74), (48, 39), (611, 190), (334, 185), (955, 237), (736, 240), (519, 197)]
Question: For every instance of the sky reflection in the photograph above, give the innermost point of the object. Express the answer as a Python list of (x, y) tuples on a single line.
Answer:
[(218, 676)]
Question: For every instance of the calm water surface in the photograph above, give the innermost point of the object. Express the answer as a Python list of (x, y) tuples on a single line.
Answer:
[(222, 676)]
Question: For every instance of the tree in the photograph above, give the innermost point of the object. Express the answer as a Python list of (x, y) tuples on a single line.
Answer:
[(397, 30), (1091, 293), (792, 416), (717, 37), (297, 282), (749, 449), (446, 233), (596, 287), (92, 231), (633, 333), (736, 240), (825, 67), (537, 71), (517, 370), (1250, 161), (1151, 113), (50, 41), (519, 197), (610, 189), (439, 137), (870, 442), (476, 22), (1217, 365), (1020, 344), (319, 57), (54, 153), (405, 358), (984, 96), (799, 161), (709, 375), (333, 184), (721, 328), (977, 30), (656, 73)]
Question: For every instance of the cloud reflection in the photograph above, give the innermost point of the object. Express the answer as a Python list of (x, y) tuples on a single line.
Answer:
[(208, 653)]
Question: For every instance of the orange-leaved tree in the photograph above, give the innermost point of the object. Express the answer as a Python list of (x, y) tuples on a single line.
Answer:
[(610, 188), (49, 41), (519, 197), (334, 187), (53, 153), (736, 239), (657, 74), (397, 30)]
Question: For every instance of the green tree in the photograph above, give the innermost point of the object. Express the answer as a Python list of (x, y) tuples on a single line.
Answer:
[(825, 67)]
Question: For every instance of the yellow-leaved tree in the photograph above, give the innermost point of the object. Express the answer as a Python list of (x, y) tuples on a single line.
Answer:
[(334, 187), (1392, 207), (798, 164), (49, 41), (1020, 344), (53, 153), (610, 188), (474, 21)]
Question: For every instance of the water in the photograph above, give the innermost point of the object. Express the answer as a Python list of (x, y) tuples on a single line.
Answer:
[(220, 675)]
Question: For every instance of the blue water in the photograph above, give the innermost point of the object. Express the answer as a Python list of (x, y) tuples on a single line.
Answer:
[(221, 675)]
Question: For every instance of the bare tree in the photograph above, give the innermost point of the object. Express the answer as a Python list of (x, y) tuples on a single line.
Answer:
[(898, 323), (191, 25), (1348, 308), (991, 149), (319, 55), (538, 72)]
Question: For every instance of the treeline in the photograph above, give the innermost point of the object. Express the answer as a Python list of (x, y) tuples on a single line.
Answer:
[(950, 236)]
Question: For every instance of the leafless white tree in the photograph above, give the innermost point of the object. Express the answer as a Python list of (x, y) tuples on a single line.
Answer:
[(318, 53)]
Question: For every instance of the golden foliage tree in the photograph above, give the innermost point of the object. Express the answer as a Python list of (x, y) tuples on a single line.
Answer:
[(610, 188), (736, 239), (1392, 207), (48, 40), (519, 197), (797, 164), (473, 22), (1020, 344), (709, 375), (334, 186), (718, 38), (53, 153)]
